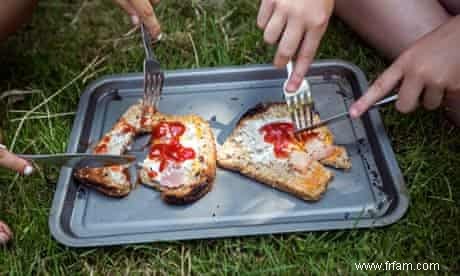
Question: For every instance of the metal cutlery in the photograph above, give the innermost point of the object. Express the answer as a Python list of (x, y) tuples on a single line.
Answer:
[(80, 160), (300, 103), (345, 114), (153, 76)]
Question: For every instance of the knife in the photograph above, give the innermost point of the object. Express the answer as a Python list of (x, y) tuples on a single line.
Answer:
[(80, 160), (345, 114)]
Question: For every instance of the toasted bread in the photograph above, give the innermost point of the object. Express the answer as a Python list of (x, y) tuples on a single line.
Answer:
[(122, 134), (188, 180), (247, 152), (114, 180)]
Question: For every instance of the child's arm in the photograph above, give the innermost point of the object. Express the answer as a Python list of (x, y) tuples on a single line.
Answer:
[(297, 26), (426, 72)]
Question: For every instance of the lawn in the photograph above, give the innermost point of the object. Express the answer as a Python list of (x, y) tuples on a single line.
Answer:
[(65, 36)]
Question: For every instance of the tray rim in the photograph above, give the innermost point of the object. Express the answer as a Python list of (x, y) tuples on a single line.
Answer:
[(59, 197)]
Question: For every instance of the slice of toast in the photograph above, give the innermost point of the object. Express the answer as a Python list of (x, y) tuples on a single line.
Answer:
[(180, 181), (297, 169), (114, 180), (123, 132)]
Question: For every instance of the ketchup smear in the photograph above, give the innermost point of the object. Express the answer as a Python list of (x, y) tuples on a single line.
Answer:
[(144, 120), (127, 128), (281, 135), (171, 150), (102, 147)]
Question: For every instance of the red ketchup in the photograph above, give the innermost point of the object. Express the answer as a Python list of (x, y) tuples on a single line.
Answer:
[(281, 136), (145, 117), (102, 147), (127, 128), (115, 168), (144, 120), (152, 174), (171, 149)]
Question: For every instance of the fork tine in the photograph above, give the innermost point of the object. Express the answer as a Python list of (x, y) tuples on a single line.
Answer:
[(148, 91), (290, 109), (156, 89), (152, 88), (304, 111), (312, 114), (304, 119), (144, 101), (298, 114), (159, 90), (307, 113)]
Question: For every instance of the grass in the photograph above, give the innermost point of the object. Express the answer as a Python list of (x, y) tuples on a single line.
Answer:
[(61, 41)]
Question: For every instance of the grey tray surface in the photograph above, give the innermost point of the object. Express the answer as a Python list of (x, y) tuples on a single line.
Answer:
[(371, 194)]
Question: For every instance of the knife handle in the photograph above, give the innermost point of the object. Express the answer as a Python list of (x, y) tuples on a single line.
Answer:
[(380, 103), (386, 101)]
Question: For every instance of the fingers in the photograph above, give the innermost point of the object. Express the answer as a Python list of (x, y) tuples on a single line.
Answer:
[(409, 94), (5, 228), (265, 13), (11, 161), (381, 87), (305, 57), (432, 97), (144, 10), (5, 233), (289, 43), (275, 27), (129, 9), (287, 22), (126, 6)]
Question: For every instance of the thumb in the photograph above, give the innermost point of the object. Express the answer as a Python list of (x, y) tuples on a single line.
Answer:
[(11, 161)]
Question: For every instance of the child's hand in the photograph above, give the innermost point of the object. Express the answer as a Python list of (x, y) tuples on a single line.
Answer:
[(298, 26), (428, 71), (10, 161), (141, 11)]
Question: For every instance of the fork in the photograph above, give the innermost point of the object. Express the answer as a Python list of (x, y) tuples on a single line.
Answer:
[(153, 76), (300, 103)]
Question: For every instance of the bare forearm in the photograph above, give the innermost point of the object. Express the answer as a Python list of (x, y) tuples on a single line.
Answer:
[(392, 25)]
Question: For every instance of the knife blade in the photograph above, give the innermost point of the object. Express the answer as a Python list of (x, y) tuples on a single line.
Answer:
[(345, 114), (79, 160)]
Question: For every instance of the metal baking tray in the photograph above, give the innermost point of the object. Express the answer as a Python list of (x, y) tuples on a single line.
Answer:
[(371, 194)]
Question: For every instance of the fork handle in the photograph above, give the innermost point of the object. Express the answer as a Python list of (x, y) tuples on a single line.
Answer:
[(386, 101), (289, 67), (146, 40)]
